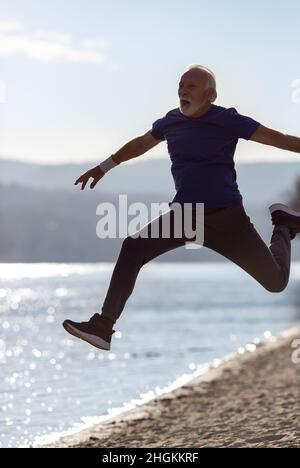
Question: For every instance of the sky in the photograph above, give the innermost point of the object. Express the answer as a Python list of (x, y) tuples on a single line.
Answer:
[(79, 79)]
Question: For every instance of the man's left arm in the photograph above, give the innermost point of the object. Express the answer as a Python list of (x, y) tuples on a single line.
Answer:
[(268, 136)]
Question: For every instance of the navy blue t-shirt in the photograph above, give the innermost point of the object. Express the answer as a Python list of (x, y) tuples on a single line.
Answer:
[(201, 151)]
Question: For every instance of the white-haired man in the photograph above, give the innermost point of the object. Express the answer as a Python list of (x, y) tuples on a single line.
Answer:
[(202, 139)]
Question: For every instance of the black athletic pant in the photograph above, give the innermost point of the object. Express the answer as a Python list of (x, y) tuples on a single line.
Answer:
[(228, 231)]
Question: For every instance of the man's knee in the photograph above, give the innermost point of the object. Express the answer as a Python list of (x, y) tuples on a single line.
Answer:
[(276, 288)]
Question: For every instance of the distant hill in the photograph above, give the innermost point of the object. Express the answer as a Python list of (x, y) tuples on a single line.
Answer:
[(44, 218), (259, 183), (60, 226)]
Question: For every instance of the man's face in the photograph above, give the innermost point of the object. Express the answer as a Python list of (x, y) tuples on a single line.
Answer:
[(193, 93)]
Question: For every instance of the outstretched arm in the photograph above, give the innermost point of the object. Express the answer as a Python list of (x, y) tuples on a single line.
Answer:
[(130, 150), (268, 136)]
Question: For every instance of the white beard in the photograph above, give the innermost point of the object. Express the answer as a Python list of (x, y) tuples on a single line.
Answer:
[(189, 109)]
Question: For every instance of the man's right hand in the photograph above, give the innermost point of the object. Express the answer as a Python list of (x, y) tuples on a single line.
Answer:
[(96, 173)]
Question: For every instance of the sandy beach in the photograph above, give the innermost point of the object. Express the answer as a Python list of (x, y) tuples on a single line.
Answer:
[(253, 400)]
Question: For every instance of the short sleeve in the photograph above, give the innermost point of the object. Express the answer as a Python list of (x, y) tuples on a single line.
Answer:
[(158, 129), (241, 126)]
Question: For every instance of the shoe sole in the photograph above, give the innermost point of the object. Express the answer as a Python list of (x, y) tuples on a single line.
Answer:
[(285, 209), (91, 339)]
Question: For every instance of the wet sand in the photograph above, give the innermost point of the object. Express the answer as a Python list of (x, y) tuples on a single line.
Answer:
[(253, 400)]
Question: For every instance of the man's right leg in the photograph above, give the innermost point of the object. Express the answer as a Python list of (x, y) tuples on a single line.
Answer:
[(164, 233), (136, 252)]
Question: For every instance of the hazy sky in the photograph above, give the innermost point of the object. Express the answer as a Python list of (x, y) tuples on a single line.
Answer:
[(78, 79)]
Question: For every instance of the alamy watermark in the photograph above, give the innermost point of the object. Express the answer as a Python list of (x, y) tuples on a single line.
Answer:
[(3, 92), (296, 354), (296, 93), (164, 221)]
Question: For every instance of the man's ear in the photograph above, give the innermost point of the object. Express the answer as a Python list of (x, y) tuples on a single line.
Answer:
[(212, 94), (215, 95)]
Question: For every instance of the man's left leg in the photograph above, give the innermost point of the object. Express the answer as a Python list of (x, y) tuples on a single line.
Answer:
[(232, 234)]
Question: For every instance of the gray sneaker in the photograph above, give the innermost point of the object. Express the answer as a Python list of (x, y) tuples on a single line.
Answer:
[(284, 215), (94, 331)]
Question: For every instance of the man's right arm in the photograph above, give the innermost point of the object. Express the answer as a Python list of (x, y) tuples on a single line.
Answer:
[(135, 148), (132, 149)]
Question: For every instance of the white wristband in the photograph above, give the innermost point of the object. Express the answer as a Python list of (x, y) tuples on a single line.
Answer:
[(108, 164)]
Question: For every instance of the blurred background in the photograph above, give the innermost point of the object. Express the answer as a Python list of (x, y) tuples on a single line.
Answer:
[(78, 80)]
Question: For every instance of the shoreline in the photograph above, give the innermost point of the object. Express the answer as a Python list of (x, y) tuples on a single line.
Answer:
[(249, 400)]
